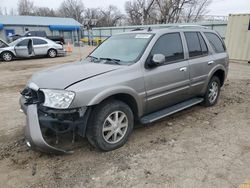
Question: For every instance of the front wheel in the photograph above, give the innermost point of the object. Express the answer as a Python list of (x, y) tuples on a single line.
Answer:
[(213, 91), (52, 53), (110, 125), (7, 56)]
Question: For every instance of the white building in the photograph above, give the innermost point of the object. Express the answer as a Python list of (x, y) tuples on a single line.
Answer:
[(69, 28)]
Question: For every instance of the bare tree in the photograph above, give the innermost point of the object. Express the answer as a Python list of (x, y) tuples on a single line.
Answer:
[(195, 9), (110, 16), (44, 11), (141, 11), (134, 13), (25, 7), (73, 9), (170, 10), (165, 11)]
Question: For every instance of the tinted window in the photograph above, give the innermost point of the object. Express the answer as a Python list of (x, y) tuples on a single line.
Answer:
[(23, 42), (215, 42), (39, 42), (169, 45), (204, 48), (196, 44)]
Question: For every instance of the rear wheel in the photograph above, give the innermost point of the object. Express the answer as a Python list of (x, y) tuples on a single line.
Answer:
[(52, 53), (110, 125), (213, 91), (7, 56)]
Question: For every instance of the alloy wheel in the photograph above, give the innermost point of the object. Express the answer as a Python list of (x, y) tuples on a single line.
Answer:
[(7, 56), (213, 92), (115, 127)]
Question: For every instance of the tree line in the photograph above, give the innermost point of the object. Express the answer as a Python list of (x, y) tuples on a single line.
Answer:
[(137, 12)]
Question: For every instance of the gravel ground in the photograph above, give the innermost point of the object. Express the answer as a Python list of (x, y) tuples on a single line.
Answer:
[(198, 147)]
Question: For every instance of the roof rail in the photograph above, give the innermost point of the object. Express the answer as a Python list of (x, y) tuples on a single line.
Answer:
[(187, 26), (137, 29)]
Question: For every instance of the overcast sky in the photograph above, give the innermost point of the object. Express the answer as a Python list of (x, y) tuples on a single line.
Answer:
[(218, 7)]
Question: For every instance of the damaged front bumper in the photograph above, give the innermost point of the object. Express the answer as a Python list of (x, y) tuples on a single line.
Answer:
[(33, 133), (39, 118)]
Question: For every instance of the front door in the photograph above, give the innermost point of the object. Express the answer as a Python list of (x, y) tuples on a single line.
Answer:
[(168, 83), (24, 48)]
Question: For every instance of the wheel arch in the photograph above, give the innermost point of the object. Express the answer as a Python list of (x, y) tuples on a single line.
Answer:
[(7, 51), (128, 96), (127, 99), (221, 75), (219, 71)]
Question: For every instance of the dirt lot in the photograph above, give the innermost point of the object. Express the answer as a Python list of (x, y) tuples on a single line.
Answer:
[(199, 147)]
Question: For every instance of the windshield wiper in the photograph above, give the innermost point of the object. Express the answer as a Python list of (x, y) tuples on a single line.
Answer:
[(93, 57), (114, 61)]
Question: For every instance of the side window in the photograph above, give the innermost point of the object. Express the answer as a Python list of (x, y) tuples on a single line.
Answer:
[(23, 42), (39, 42), (196, 44), (204, 48), (169, 45), (215, 42)]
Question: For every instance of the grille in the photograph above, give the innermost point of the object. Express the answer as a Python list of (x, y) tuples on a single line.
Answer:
[(32, 97)]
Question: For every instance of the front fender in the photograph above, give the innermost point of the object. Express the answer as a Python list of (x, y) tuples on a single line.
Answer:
[(118, 90)]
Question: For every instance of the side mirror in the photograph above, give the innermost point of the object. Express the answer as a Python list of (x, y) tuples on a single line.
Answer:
[(158, 59)]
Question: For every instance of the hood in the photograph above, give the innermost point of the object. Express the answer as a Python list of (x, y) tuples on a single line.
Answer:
[(3, 44), (63, 76)]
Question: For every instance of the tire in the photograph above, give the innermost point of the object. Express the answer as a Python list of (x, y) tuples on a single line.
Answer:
[(102, 126), (7, 56), (52, 53), (213, 92)]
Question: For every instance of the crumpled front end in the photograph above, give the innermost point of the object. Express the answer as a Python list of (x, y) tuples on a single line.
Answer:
[(42, 121)]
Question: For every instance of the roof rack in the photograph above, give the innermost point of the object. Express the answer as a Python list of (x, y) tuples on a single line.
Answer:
[(137, 29), (187, 26)]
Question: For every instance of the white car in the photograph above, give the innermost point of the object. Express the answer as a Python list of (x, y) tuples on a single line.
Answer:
[(27, 47)]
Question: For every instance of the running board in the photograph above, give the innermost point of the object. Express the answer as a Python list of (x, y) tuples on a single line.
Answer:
[(170, 110)]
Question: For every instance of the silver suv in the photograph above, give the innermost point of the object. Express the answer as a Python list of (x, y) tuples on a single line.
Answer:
[(140, 76)]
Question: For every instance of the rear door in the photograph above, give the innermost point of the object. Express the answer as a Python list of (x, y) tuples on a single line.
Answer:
[(168, 83), (220, 55), (40, 46), (200, 61)]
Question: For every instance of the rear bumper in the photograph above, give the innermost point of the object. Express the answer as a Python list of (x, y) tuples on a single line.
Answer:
[(61, 52), (33, 133)]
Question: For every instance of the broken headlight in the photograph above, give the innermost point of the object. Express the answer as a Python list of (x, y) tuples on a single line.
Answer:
[(60, 99)]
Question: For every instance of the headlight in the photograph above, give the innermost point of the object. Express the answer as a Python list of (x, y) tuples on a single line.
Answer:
[(60, 99)]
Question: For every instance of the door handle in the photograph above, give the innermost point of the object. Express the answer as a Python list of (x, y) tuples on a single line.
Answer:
[(210, 62), (183, 69)]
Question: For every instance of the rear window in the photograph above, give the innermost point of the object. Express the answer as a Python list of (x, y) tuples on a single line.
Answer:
[(196, 44), (215, 42)]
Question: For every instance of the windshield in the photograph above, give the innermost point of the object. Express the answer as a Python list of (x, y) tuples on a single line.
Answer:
[(125, 48)]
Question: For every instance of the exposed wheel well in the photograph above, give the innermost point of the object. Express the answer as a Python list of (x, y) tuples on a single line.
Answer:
[(7, 51), (221, 75), (128, 99)]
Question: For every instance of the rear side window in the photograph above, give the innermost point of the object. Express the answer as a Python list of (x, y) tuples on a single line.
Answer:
[(169, 45), (196, 44), (215, 42), (39, 42)]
